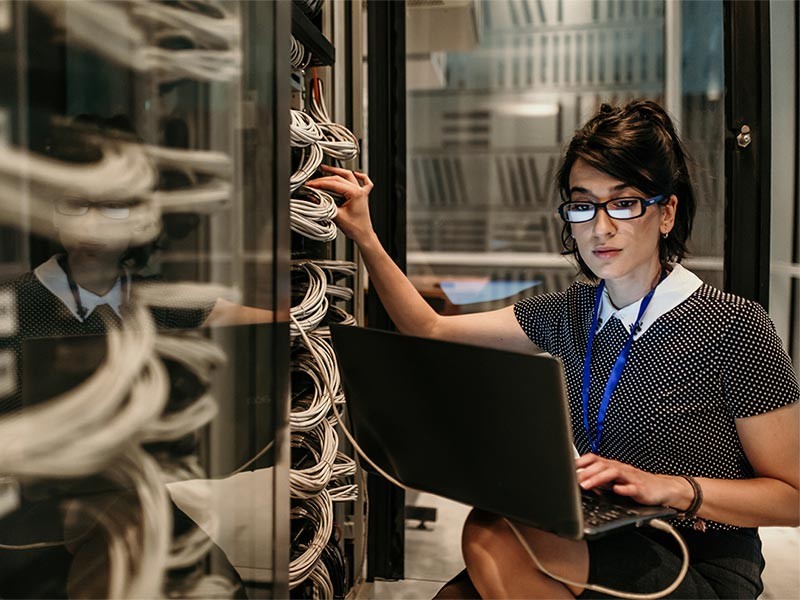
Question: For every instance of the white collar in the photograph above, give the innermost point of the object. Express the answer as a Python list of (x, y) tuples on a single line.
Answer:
[(52, 276), (676, 287)]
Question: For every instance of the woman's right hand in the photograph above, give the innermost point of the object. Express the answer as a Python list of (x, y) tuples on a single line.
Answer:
[(353, 218)]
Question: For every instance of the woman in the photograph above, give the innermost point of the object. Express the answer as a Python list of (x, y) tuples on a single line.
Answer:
[(679, 394)]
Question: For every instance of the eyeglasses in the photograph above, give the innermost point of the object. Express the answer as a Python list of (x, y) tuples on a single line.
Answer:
[(622, 209), (76, 207)]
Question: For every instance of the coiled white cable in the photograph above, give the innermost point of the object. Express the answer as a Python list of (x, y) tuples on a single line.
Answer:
[(203, 29), (109, 29), (310, 160), (335, 269), (321, 443), (303, 130), (78, 433), (321, 579), (137, 471), (299, 56), (317, 510), (202, 198), (308, 314), (308, 410), (311, 214)]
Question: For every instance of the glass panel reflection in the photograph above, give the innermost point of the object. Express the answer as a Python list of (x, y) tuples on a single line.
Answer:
[(136, 305)]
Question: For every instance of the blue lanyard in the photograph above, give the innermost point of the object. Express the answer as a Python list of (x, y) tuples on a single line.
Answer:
[(616, 372)]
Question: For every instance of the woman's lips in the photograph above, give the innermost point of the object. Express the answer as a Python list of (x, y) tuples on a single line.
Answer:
[(606, 252)]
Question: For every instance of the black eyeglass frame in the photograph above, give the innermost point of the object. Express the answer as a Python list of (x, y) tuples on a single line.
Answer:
[(644, 203)]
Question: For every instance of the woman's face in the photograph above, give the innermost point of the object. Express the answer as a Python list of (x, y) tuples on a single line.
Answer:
[(618, 249), (94, 229)]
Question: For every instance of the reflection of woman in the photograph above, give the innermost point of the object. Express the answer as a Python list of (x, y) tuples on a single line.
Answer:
[(679, 394), (85, 290)]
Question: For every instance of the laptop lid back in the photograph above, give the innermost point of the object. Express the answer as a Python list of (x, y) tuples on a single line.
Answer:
[(484, 427)]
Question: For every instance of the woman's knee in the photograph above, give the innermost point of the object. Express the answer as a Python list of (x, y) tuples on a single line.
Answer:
[(482, 531)]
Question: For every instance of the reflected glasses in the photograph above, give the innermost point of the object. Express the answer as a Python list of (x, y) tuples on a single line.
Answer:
[(579, 210), (75, 207)]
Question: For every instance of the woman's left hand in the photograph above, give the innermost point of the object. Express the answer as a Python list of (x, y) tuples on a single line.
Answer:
[(623, 479)]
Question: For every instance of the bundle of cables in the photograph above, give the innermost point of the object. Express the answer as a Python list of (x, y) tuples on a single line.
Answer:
[(313, 456), (306, 135), (335, 269), (200, 357), (329, 579), (313, 304), (299, 56), (312, 525), (209, 176), (197, 40), (311, 405), (338, 142), (79, 433), (135, 521), (308, 161), (343, 468), (311, 214)]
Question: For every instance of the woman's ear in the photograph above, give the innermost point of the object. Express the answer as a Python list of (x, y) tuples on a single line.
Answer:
[(668, 211)]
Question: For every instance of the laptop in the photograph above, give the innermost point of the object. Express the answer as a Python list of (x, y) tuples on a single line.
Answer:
[(485, 427)]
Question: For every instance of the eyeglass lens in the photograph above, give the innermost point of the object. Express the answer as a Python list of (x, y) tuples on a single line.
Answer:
[(76, 208)]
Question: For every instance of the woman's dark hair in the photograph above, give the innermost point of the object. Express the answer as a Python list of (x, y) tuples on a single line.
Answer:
[(636, 144)]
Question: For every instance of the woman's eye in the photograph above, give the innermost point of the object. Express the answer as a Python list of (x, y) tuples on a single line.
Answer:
[(625, 203)]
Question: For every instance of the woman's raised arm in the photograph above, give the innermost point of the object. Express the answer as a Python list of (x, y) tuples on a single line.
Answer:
[(408, 310)]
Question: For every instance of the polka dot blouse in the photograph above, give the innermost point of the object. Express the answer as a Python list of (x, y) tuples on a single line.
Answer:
[(698, 367)]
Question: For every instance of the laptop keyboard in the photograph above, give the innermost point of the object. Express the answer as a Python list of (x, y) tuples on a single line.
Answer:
[(598, 510)]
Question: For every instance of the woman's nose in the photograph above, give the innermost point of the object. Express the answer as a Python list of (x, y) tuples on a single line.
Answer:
[(603, 224)]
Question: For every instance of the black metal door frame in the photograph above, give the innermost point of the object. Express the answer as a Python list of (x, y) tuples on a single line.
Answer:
[(386, 31), (747, 165)]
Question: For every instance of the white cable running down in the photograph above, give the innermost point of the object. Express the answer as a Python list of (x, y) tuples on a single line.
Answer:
[(339, 142)]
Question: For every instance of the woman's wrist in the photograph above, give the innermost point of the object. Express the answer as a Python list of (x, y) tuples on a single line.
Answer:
[(368, 241), (680, 494)]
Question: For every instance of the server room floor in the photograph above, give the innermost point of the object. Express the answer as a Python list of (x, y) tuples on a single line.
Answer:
[(433, 556)]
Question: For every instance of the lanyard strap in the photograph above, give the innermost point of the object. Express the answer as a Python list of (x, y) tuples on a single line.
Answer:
[(616, 371), (63, 262)]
